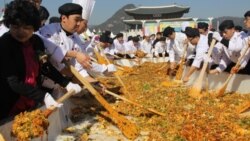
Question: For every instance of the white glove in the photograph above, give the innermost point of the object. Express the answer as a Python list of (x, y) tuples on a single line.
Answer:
[(207, 58), (216, 36), (111, 68), (49, 101), (73, 86)]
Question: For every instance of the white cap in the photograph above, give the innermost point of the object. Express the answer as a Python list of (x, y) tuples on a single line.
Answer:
[(87, 7), (184, 25)]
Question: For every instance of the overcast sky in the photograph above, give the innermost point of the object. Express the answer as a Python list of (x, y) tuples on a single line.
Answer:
[(104, 9)]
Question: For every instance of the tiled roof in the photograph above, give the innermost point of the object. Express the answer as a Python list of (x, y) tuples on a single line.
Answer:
[(168, 9)]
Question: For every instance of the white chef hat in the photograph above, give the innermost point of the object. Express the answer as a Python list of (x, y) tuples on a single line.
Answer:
[(87, 7)]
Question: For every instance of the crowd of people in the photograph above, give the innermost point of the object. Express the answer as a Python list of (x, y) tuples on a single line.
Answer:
[(32, 50)]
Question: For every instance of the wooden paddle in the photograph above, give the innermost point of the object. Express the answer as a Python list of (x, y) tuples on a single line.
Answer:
[(128, 128), (134, 103), (245, 115), (93, 59), (38, 121), (1, 137), (100, 59), (162, 67), (179, 72), (50, 110), (220, 92), (243, 107), (243, 110), (195, 90)]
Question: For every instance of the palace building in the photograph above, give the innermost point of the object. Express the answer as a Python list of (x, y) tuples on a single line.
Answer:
[(152, 19)]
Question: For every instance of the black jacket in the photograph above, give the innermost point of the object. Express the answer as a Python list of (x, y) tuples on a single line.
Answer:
[(12, 73)]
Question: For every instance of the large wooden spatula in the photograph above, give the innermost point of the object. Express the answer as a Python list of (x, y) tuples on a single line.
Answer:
[(195, 90), (222, 89), (128, 128), (48, 111), (179, 72)]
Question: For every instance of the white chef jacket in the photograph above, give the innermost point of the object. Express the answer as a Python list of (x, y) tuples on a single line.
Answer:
[(217, 53), (160, 47), (130, 47), (57, 44), (201, 50), (176, 47), (119, 47), (110, 50), (190, 51), (233, 51), (245, 44), (146, 46)]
